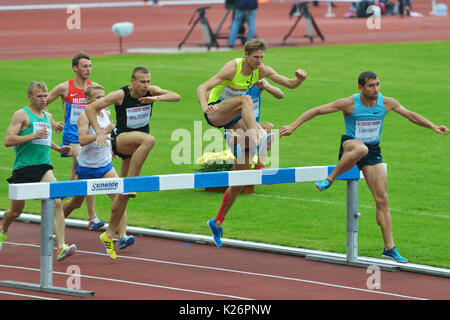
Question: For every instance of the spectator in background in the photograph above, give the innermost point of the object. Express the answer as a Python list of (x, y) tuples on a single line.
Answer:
[(243, 8), (404, 5)]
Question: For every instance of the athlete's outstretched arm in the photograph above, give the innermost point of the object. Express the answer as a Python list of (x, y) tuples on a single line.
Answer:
[(226, 73), (291, 83), (263, 84), (159, 94), (116, 98), (338, 105), (414, 117)]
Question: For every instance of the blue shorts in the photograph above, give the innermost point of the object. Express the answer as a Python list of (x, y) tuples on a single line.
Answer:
[(92, 173), (67, 140)]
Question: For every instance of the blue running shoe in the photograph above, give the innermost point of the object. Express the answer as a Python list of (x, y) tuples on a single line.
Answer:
[(323, 185), (95, 223), (235, 148), (394, 255), (217, 232), (126, 241)]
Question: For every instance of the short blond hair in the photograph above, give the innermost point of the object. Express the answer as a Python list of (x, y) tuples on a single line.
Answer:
[(36, 84), (90, 90), (255, 44)]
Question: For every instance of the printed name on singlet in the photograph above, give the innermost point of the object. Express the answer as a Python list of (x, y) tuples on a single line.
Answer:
[(139, 116), (367, 131), (229, 92)]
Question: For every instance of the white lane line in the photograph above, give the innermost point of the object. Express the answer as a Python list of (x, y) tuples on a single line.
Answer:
[(239, 272), (26, 295), (133, 283), (343, 204)]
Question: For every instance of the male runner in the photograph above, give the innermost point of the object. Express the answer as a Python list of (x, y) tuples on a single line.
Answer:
[(74, 102), (228, 98), (94, 162), (243, 160), (130, 140), (30, 133), (364, 113)]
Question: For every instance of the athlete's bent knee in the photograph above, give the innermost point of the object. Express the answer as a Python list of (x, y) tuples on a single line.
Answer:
[(246, 102), (149, 141)]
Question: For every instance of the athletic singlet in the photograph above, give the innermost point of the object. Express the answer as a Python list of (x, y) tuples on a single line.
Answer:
[(236, 87), (37, 151), (365, 123), (92, 155), (75, 104), (133, 115)]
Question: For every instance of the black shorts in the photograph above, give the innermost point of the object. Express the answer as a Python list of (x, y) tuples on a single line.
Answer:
[(226, 126), (114, 135), (372, 157), (29, 174)]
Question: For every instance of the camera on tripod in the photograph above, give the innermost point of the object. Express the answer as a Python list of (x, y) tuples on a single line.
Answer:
[(299, 10), (209, 37)]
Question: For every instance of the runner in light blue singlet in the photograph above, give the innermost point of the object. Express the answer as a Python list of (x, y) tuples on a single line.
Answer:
[(365, 124)]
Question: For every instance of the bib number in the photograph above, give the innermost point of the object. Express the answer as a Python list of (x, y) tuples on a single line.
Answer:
[(39, 126), (367, 131), (138, 117)]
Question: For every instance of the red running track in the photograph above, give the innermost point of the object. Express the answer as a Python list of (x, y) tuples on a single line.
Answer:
[(161, 269), (44, 34)]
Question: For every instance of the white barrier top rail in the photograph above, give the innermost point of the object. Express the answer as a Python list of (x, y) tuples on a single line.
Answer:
[(61, 189)]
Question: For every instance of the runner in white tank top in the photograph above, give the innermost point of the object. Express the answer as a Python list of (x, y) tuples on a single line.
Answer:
[(92, 155), (94, 162)]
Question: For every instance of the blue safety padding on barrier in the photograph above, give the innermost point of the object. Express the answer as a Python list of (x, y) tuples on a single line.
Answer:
[(139, 184), (283, 175), (352, 174), (211, 179), (72, 188)]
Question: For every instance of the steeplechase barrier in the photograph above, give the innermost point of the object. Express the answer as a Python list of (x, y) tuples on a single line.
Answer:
[(47, 191)]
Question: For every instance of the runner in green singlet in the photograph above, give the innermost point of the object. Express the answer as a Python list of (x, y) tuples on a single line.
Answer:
[(30, 133)]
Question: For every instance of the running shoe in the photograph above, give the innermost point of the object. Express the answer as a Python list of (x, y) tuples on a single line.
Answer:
[(235, 148), (95, 223), (3, 238), (265, 143), (323, 185), (109, 245), (129, 194), (65, 251), (126, 241), (394, 255), (217, 232)]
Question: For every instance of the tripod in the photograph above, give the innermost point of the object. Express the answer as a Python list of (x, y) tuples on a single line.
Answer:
[(208, 36), (300, 9), (241, 34)]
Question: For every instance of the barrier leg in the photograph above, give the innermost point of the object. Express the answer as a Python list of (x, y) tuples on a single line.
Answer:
[(351, 257), (352, 220), (46, 277), (47, 238)]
